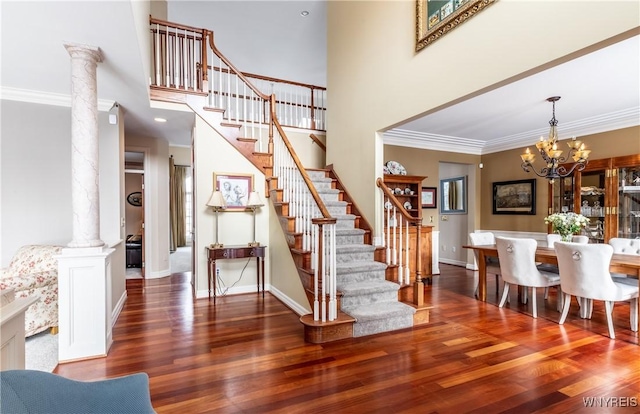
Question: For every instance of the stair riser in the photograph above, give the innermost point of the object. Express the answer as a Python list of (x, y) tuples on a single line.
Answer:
[(385, 325), (353, 257), (329, 196), (337, 210), (345, 223), (344, 240), (316, 174), (359, 277), (323, 184), (379, 298)]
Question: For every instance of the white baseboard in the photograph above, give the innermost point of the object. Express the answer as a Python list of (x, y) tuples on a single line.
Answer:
[(115, 313), (157, 275), (454, 262), (294, 306)]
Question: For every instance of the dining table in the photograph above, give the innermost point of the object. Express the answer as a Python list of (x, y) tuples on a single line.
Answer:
[(628, 264)]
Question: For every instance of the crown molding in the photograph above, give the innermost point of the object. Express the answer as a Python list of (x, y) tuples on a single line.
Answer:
[(423, 140), (601, 123), (46, 98)]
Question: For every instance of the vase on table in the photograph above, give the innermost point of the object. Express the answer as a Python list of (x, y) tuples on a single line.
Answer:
[(566, 237)]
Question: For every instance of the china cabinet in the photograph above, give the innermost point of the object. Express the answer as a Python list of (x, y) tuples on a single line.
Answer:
[(607, 191), (407, 189)]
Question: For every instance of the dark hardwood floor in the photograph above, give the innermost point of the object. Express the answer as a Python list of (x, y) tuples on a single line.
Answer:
[(247, 355)]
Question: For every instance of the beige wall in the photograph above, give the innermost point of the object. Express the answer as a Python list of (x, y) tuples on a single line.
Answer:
[(505, 166), (377, 80), (181, 155)]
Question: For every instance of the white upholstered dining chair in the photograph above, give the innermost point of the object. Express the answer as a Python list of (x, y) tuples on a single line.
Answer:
[(518, 267), (625, 246), (584, 272), (493, 265)]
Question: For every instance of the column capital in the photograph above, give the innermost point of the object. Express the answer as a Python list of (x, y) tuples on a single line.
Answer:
[(77, 50)]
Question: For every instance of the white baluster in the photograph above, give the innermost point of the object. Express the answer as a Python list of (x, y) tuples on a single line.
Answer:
[(394, 255), (388, 211), (407, 272), (333, 274), (400, 268)]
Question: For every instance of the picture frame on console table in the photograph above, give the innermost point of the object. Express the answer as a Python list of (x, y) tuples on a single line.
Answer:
[(514, 197), (428, 197), (235, 189)]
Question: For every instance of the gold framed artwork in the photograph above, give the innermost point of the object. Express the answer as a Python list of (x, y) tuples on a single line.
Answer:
[(435, 18), (235, 189)]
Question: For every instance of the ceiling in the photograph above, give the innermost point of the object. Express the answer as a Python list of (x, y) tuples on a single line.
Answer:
[(600, 91)]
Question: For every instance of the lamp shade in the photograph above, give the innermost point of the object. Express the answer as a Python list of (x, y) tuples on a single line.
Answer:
[(216, 200), (254, 200)]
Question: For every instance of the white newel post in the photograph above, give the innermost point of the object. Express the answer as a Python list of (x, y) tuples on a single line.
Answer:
[(84, 267)]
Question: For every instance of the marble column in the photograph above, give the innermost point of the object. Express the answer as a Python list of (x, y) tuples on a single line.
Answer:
[(84, 145)]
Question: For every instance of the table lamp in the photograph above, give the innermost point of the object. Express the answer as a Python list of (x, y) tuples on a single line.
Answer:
[(217, 202), (253, 204)]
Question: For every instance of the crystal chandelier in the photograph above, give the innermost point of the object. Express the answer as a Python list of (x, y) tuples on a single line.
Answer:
[(552, 156)]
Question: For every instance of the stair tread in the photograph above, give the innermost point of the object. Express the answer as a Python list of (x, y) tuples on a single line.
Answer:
[(376, 311)]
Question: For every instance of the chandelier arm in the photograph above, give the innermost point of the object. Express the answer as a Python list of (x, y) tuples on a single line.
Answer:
[(528, 167)]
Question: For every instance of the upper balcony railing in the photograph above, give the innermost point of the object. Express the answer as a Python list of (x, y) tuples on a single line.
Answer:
[(180, 53)]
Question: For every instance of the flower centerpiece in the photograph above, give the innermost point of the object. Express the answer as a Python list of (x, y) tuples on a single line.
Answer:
[(566, 224)]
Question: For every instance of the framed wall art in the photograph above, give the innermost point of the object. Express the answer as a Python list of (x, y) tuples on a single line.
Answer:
[(428, 197), (435, 18), (514, 197), (235, 189)]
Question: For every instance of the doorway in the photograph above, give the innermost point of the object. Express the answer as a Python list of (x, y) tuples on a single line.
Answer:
[(181, 216), (134, 214)]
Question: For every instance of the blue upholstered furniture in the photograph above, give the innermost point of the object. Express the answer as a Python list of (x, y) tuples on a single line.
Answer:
[(28, 391)]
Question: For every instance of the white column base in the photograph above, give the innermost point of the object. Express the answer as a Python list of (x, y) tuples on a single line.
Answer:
[(84, 303)]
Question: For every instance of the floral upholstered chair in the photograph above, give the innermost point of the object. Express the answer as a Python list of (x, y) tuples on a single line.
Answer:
[(33, 271)]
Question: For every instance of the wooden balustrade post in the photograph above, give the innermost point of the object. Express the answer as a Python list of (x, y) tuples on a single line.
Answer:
[(321, 285), (418, 286), (272, 103), (205, 68), (313, 115)]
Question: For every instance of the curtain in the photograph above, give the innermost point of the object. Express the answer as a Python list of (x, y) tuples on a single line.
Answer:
[(177, 175)]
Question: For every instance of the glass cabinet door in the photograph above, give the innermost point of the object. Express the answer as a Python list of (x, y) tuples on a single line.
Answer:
[(628, 184), (592, 203), (562, 195)]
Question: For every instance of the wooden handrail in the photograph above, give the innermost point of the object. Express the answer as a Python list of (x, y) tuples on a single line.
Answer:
[(175, 25), (315, 139), (268, 78), (230, 65), (303, 172)]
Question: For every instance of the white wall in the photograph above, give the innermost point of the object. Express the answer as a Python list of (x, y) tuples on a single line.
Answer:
[(36, 176), (454, 230)]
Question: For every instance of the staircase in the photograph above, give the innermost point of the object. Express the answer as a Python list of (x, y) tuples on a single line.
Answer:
[(351, 290)]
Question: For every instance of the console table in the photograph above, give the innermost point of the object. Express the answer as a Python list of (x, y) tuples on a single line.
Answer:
[(234, 252)]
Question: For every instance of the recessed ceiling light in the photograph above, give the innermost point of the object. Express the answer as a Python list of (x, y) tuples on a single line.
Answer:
[(158, 119), (304, 13)]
